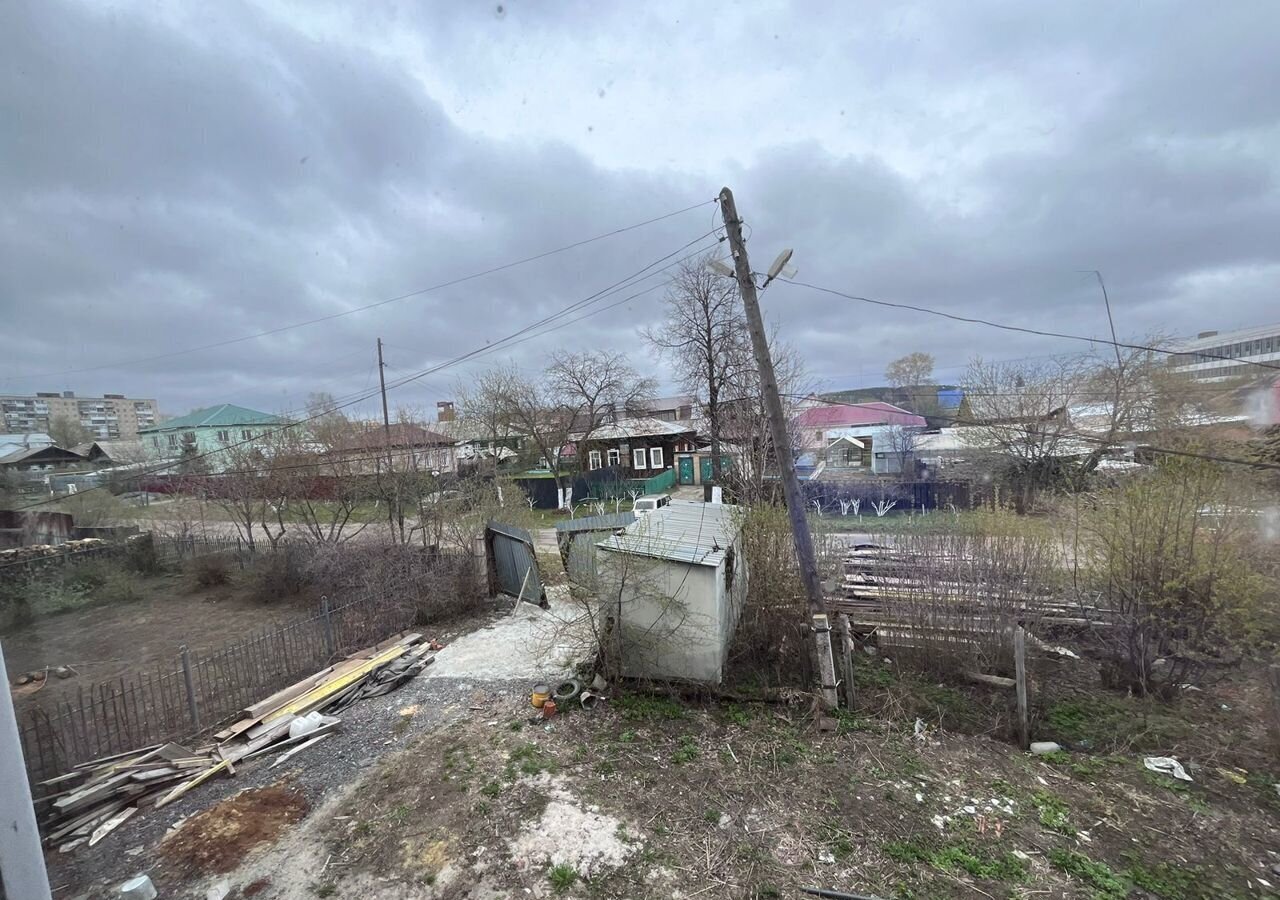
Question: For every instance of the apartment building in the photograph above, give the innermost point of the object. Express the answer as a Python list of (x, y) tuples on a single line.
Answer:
[(1202, 358), (109, 417)]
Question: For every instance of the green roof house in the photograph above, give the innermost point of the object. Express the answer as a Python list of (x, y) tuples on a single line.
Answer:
[(198, 437)]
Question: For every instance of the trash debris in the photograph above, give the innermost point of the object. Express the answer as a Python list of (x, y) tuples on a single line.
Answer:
[(541, 693), (97, 797), (138, 888), (1166, 765), (219, 891), (1239, 776), (1040, 748), (548, 709), (567, 690), (919, 729), (598, 684)]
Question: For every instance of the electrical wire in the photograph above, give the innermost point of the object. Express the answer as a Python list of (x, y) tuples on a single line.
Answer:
[(1024, 330), (347, 312), (491, 347)]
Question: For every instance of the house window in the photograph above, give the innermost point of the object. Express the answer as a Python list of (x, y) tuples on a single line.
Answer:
[(246, 435), (655, 458), (173, 440), (593, 460), (639, 459), (614, 457), (224, 436), (155, 442)]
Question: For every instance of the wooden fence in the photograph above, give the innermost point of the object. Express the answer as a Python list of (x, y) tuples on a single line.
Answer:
[(192, 693)]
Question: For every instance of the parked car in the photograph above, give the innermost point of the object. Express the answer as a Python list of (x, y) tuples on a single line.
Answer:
[(648, 503)]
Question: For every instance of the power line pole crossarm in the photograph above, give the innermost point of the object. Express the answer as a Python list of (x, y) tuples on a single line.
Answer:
[(781, 438)]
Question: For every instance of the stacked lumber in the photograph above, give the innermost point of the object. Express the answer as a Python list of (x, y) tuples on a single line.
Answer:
[(95, 798), (875, 577)]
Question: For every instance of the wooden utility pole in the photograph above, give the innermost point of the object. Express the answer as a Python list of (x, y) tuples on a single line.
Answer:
[(386, 416), (393, 505), (782, 448)]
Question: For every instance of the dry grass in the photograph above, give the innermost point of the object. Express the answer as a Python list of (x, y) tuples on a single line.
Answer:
[(734, 801)]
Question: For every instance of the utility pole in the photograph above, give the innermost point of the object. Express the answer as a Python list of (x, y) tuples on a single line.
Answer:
[(393, 505), (782, 447), (22, 871)]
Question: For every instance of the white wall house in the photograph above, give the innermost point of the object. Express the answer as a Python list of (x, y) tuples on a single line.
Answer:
[(675, 582)]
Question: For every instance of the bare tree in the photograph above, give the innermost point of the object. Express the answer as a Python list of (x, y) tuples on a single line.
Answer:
[(1020, 412), (912, 369), (746, 422), (67, 431), (596, 385), (484, 410), (901, 440), (704, 335), (535, 409)]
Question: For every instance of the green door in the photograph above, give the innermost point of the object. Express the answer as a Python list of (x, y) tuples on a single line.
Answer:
[(686, 470), (706, 470)]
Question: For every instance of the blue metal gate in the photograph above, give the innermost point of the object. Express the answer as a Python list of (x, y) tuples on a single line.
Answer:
[(513, 564)]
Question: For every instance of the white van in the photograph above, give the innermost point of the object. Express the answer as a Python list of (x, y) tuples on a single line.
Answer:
[(648, 503)]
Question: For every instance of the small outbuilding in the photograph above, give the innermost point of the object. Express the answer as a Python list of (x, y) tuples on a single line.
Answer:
[(673, 584)]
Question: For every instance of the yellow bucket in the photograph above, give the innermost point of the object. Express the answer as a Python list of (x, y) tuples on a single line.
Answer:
[(541, 693)]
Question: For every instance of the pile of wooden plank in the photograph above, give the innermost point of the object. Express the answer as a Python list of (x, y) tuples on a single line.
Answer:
[(97, 797), (878, 579)]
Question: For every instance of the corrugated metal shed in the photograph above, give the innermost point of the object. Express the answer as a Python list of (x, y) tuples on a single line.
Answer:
[(683, 531), (607, 522)]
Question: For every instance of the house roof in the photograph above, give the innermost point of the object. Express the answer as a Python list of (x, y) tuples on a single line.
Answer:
[(22, 440), (111, 449), (636, 427), (225, 415), (875, 412), (34, 454), (401, 435), (682, 531)]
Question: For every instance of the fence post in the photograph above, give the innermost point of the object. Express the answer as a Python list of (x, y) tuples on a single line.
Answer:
[(1020, 676), (192, 706), (328, 625), (845, 634)]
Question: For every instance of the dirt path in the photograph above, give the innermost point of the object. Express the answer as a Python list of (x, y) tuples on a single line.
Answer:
[(324, 775)]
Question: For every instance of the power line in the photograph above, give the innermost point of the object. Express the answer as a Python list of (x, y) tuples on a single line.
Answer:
[(1036, 331), (347, 312), (503, 343)]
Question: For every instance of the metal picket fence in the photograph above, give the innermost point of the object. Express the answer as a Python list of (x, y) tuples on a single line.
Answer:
[(196, 693)]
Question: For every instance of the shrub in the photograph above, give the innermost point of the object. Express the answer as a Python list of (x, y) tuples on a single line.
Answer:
[(212, 570), (773, 643), (1169, 556), (282, 573)]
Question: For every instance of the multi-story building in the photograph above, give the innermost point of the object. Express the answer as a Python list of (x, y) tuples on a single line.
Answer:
[(1216, 356), (111, 417)]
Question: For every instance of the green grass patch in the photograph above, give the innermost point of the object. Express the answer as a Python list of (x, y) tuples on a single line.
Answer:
[(562, 877), (647, 707), (1107, 885), (974, 860), (687, 751), (1116, 723), (1054, 812), (1165, 881)]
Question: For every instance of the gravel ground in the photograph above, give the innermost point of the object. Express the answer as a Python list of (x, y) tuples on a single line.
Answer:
[(370, 729)]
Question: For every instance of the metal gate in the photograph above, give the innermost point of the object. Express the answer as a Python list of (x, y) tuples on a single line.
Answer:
[(513, 564), (577, 541)]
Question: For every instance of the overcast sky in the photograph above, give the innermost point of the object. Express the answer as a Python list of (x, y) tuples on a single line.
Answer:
[(176, 175)]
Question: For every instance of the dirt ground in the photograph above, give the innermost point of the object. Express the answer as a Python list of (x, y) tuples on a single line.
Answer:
[(652, 798), (106, 641)]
